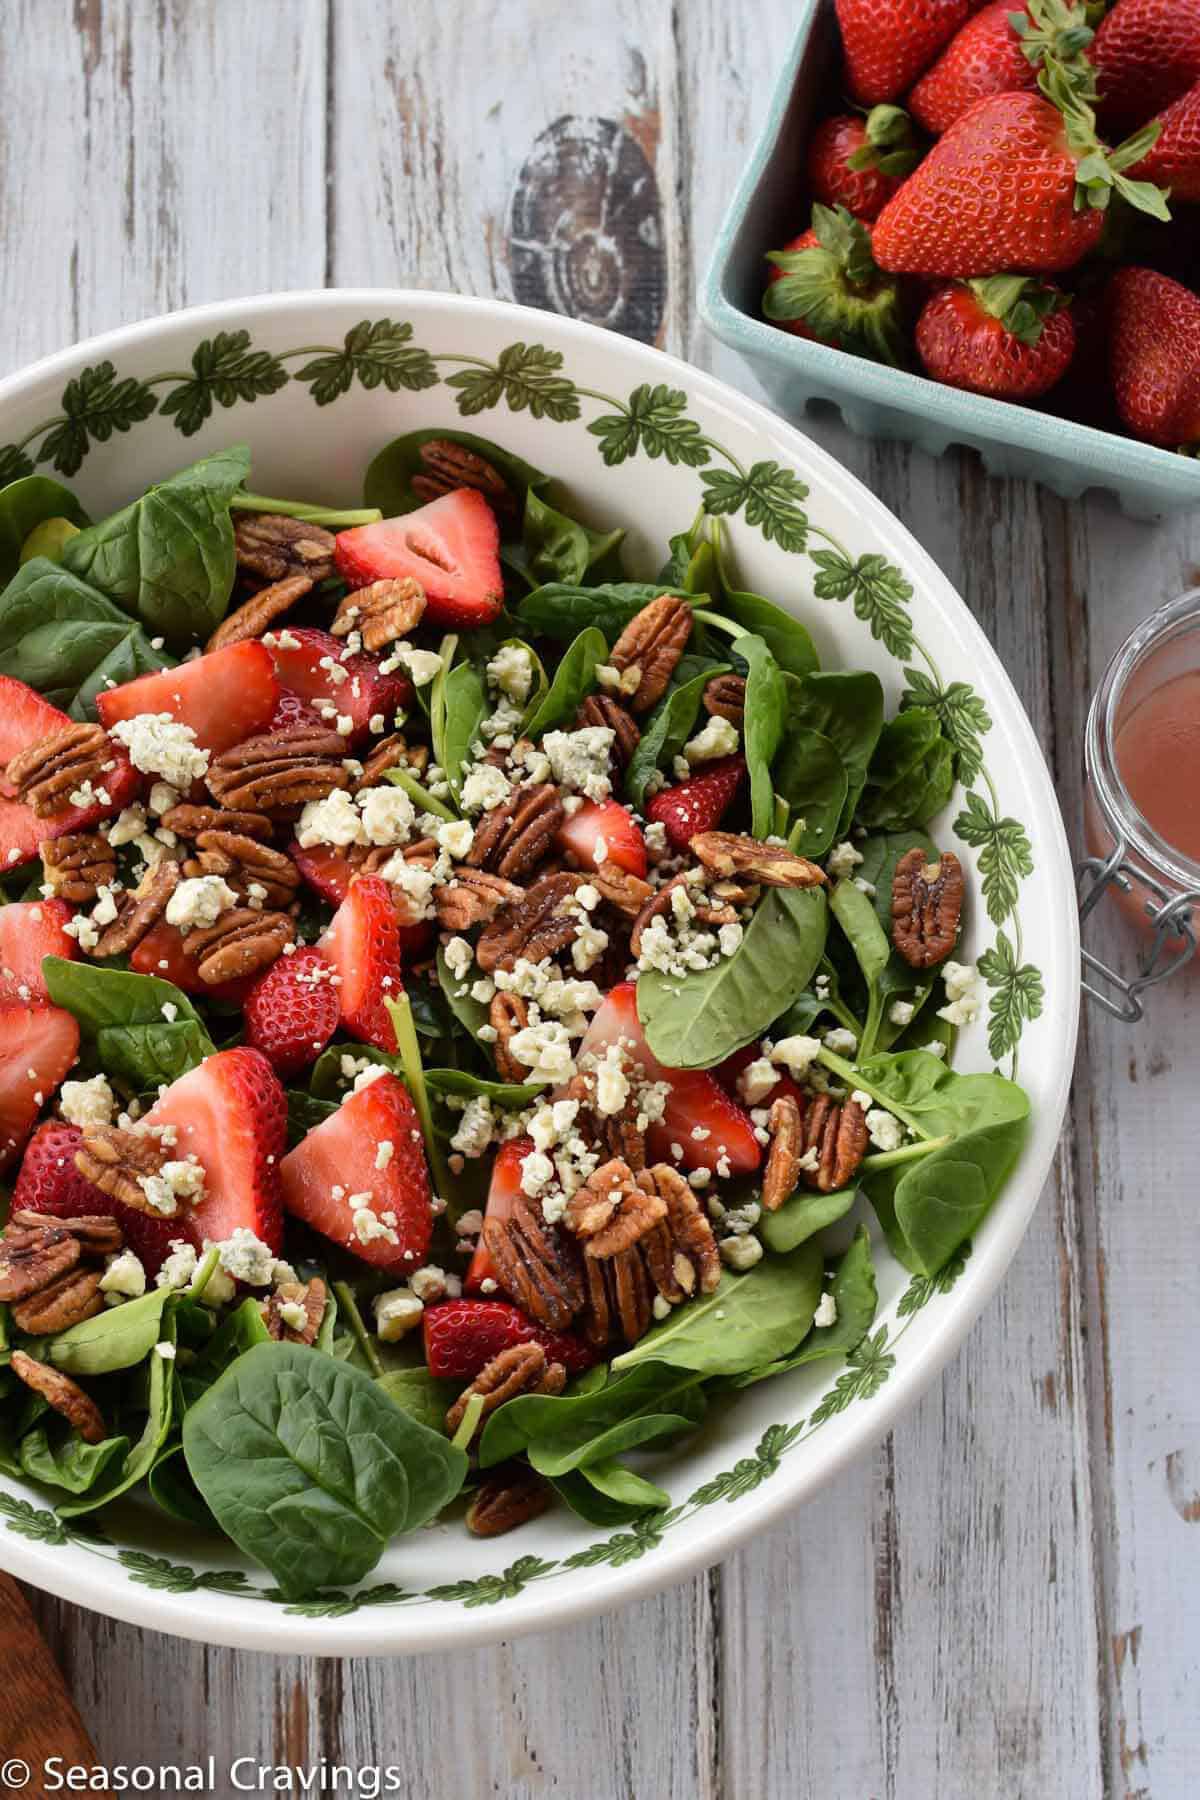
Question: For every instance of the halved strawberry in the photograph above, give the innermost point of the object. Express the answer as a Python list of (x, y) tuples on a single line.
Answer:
[(363, 944), (48, 1182), (503, 1193), (225, 696), (161, 953), (729, 1074), (315, 666), (698, 804), (38, 1044), (29, 930), (607, 824), (25, 718), (329, 872), (292, 1011), (291, 710), (696, 1103), (462, 1336), (451, 548), (342, 1170), (231, 1113)]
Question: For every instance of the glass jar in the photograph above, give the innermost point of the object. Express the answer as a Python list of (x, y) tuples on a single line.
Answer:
[(1156, 885)]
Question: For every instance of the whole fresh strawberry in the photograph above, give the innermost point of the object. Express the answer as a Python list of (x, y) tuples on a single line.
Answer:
[(1000, 51), (1016, 183), (1146, 54), (889, 42), (698, 804), (858, 162), (826, 285), (1154, 357), (1006, 335), (1173, 160)]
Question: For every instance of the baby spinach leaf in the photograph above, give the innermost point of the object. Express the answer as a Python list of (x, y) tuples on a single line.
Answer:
[(468, 1087), (911, 774), (856, 1298), (172, 1488), (785, 637), (67, 1462), (943, 1102), (122, 1015), (142, 1455), (389, 478), (559, 548), (471, 1014), (622, 1485), (697, 1020), (929, 1208), (801, 1217), (845, 706), (566, 1431), (574, 678), (146, 1056), (62, 637), (169, 557), (766, 714), (456, 720), (305, 1113), (240, 1331), (588, 1503), (810, 777), (421, 1395), (872, 949), (560, 610), (667, 730), (310, 1467), (118, 1338), (691, 564), (25, 504), (880, 853), (748, 1320)]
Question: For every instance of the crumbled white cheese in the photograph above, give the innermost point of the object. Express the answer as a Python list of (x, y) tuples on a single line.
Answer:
[(537, 1171), (175, 1181), (511, 672), (429, 1283), (886, 1131), (198, 901), (335, 820), (484, 788), (124, 1278), (247, 1258), (422, 665), (162, 798), (387, 815), (455, 836), (826, 1313), (612, 1083), (740, 1252), (459, 956), (160, 745), (580, 759), (128, 826), (87, 1103), (476, 1127), (963, 993), (900, 1012), (841, 1041), (718, 738), (367, 1224), (842, 860), (396, 1313), (178, 1267), (756, 1081), (796, 1054)]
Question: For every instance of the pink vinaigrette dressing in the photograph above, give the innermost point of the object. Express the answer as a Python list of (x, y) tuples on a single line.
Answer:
[(1157, 748)]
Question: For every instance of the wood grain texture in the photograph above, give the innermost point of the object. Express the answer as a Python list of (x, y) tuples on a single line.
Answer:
[(38, 1718), (1003, 1599)]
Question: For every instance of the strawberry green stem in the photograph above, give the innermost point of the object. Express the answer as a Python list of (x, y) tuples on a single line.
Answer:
[(1099, 172)]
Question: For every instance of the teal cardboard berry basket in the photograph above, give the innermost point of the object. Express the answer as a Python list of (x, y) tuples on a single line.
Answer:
[(872, 399)]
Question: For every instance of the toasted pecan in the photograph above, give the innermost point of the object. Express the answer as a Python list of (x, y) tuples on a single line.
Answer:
[(188, 821), (509, 1496), (724, 697), (539, 1265), (75, 1296), (139, 910), (832, 1144), (927, 903), (533, 927), (473, 898), (47, 773), (382, 613), (309, 1295), (514, 837), (259, 613), (79, 865), (63, 1394), (117, 1161), (446, 465), (259, 875), (612, 1211), (653, 642), (279, 772), (521, 1369), (603, 710), (507, 1014), (242, 942), (732, 853), (782, 1172), (392, 752), (276, 547), (31, 1260)]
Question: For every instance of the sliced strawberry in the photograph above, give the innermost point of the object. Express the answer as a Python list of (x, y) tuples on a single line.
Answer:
[(29, 930), (462, 1336), (607, 825), (225, 696), (337, 1172), (696, 1103), (316, 667), (291, 710), (160, 953), (363, 944), (698, 804), (729, 1074), (24, 719), (328, 871), (38, 1044), (503, 1192), (49, 1182), (451, 548), (231, 1113), (292, 1011)]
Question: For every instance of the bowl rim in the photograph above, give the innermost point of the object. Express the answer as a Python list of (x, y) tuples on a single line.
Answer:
[(88, 1582), (960, 418)]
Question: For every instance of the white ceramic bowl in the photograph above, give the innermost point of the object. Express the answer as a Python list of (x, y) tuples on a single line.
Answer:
[(330, 392)]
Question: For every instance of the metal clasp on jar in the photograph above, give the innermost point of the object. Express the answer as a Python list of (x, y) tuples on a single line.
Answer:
[(1171, 919)]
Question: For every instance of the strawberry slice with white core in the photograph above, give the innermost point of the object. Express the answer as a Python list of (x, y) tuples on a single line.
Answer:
[(30, 930), (604, 831), (503, 1194), (25, 718), (710, 1129), (38, 1044), (363, 944), (225, 697), (360, 1178), (316, 667), (231, 1114), (450, 548)]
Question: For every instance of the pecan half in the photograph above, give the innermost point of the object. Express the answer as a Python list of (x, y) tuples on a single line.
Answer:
[(616, 1134), (98, 1234), (510, 1496), (653, 643), (116, 1162), (507, 1014), (732, 853), (533, 927), (446, 465), (74, 1297), (612, 1211), (833, 1142), (661, 903), (188, 821), (538, 1265), (63, 1394), (927, 903), (31, 1261), (392, 753), (242, 942), (695, 1259), (626, 892), (383, 613), (260, 611), (48, 772), (521, 1369), (79, 865), (724, 697), (310, 1296), (472, 898), (139, 909), (514, 837), (279, 772), (603, 710), (275, 547), (256, 873), (620, 1297), (782, 1172)]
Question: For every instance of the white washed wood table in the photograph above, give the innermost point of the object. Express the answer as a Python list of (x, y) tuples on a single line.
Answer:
[(1004, 1600)]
